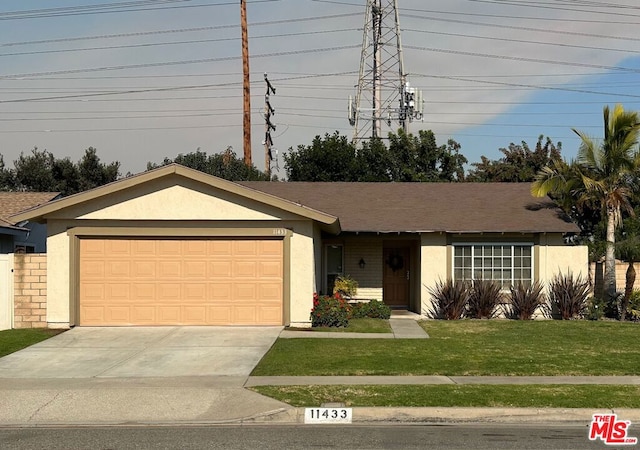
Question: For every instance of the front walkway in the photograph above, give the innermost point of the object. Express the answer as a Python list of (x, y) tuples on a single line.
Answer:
[(403, 324)]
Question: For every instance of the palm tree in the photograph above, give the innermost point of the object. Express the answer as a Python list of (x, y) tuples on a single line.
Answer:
[(604, 174)]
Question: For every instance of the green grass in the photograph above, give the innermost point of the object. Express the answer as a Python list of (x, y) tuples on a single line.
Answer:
[(14, 340), (470, 347), (518, 396), (362, 325)]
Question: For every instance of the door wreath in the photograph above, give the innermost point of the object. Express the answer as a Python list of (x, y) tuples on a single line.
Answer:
[(395, 262)]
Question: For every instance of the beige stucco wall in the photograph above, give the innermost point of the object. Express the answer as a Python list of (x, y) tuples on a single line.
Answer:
[(434, 266), (554, 257), (302, 264), (58, 276), (302, 274)]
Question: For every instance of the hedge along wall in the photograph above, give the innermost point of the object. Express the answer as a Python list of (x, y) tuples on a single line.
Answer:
[(596, 274), (30, 290)]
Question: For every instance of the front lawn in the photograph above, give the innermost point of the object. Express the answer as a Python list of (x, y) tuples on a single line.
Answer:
[(14, 340), (469, 347), (507, 396)]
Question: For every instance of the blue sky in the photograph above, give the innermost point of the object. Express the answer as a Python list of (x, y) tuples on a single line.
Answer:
[(492, 72)]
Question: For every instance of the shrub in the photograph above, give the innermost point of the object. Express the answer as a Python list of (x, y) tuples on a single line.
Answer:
[(595, 309), (568, 296), (345, 286), (330, 311), (484, 298), (374, 309), (525, 299), (449, 299), (633, 308)]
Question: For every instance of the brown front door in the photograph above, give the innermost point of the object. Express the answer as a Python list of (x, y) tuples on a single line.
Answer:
[(395, 281)]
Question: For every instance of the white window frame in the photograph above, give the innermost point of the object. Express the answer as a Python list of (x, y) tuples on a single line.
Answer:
[(502, 244)]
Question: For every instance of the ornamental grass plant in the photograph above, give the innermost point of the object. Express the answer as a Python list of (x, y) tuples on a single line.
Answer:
[(525, 300)]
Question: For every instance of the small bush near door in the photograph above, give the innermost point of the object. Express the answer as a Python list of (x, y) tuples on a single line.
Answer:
[(330, 311), (373, 309)]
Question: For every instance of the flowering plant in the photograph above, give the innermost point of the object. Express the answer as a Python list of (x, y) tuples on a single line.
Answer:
[(330, 311)]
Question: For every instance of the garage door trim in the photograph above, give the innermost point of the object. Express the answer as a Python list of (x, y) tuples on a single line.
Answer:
[(75, 235)]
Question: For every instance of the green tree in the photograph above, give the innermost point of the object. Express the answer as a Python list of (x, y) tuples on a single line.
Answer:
[(419, 158), (41, 171), (225, 165), (628, 249), (34, 172), (605, 174), (328, 158), (93, 173), (407, 158), (518, 164), (7, 177)]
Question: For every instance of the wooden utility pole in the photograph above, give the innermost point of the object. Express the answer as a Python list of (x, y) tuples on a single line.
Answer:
[(246, 85)]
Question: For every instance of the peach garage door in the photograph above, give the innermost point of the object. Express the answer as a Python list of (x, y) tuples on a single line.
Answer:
[(141, 281)]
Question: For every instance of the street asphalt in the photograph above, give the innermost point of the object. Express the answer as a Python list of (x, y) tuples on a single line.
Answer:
[(200, 375)]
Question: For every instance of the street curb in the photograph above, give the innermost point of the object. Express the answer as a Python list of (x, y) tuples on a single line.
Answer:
[(382, 415)]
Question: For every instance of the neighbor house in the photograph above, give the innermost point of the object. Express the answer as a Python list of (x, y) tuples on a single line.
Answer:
[(177, 246), (22, 236)]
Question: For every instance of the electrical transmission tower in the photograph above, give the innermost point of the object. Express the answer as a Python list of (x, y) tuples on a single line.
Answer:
[(383, 95)]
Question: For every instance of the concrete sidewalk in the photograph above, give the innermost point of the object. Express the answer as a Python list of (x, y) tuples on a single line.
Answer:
[(437, 379), (226, 399)]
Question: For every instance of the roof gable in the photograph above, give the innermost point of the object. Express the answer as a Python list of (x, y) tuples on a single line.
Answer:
[(170, 179)]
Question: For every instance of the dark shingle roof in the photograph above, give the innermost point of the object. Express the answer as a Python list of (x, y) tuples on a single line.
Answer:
[(14, 202), (414, 207)]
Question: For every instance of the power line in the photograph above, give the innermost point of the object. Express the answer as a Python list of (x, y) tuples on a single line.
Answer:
[(178, 30), (19, 15), (156, 44), (172, 63)]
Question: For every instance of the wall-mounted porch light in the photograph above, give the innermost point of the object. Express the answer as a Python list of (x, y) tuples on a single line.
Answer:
[(362, 263)]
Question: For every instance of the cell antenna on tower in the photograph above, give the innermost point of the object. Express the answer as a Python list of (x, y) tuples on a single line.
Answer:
[(383, 94)]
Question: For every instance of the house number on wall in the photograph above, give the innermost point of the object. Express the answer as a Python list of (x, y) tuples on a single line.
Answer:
[(279, 232)]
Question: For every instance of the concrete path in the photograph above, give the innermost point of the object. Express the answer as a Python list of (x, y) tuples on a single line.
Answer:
[(435, 379), (402, 327)]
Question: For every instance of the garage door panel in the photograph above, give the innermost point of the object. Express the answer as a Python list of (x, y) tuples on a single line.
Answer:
[(220, 269), (245, 269), (180, 282), (245, 291), (270, 269), (220, 291), (118, 247), (144, 292), (117, 291), (168, 315), (118, 268), (118, 314), (144, 269), (194, 269), (169, 269), (144, 315)]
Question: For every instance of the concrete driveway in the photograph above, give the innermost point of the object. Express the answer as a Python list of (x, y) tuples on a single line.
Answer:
[(139, 352)]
